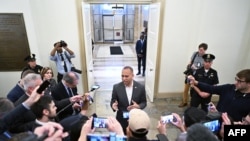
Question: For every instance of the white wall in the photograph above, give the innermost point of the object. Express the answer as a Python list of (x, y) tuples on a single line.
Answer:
[(223, 24), (9, 79), (46, 21), (56, 20)]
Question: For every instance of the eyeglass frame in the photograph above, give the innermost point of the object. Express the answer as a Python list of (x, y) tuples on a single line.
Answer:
[(238, 80)]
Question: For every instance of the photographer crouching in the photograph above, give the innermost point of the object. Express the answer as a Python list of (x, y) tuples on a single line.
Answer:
[(61, 54)]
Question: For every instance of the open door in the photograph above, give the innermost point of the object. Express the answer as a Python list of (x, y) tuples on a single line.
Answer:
[(88, 43), (152, 46)]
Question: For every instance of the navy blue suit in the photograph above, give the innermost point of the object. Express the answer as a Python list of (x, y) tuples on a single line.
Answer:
[(141, 54)]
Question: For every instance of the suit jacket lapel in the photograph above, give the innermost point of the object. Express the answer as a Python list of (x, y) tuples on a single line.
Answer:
[(135, 88)]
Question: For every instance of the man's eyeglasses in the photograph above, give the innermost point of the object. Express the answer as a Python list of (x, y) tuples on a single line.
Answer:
[(238, 80)]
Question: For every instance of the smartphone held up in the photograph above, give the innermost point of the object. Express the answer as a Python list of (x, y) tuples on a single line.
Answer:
[(43, 86), (168, 119)]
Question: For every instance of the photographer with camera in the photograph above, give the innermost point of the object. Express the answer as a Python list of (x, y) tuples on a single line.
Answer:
[(195, 63), (61, 54)]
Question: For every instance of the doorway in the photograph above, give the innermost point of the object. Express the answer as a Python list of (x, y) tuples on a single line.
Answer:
[(152, 41), (118, 22), (113, 27)]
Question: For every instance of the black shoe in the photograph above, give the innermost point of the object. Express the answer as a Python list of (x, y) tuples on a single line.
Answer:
[(143, 74), (138, 73)]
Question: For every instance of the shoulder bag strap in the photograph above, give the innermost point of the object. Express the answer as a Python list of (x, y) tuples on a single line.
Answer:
[(67, 57), (194, 58)]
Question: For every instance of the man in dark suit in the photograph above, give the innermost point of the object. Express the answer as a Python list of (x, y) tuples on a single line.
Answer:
[(127, 95), (67, 89), (139, 53)]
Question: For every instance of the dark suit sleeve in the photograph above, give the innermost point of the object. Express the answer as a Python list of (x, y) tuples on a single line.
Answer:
[(59, 92), (143, 99), (11, 117), (60, 104), (114, 96)]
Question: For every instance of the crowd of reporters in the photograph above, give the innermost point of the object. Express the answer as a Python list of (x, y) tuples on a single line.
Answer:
[(53, 115)]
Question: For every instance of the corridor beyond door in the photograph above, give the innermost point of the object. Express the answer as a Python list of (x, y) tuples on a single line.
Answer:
[(107, 67)]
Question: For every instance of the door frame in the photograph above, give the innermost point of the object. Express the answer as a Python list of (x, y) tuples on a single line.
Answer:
[(123, 2)]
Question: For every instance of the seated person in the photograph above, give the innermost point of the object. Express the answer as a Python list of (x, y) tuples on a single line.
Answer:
[(16, 92), (47, 74)]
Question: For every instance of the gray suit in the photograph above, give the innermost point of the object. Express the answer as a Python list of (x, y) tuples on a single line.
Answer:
[(119, 94)]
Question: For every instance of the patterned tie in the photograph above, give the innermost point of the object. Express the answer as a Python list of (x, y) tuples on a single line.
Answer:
[(70, 92), (64, 63)]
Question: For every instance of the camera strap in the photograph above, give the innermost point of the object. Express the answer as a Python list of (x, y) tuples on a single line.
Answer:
[(194, 58)]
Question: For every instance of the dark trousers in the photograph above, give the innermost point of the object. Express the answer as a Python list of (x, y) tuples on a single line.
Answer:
[(141, 62), (144, 63), (59, 77), (196, 100)]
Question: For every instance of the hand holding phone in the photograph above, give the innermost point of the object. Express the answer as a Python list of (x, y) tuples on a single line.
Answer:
[(168, 119), (43, 86), (99, 122), (213, 125)]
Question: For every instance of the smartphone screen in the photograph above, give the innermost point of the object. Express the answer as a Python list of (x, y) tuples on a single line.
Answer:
[(213, 125), (125, 114), (168, 118), (121, 138), (97, 137), (99, 122)]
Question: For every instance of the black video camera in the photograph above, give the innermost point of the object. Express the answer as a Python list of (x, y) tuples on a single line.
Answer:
[(76, 70), (63, 43)]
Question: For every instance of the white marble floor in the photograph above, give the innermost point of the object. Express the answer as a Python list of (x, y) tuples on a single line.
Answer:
[(107, 67), (107, 71)]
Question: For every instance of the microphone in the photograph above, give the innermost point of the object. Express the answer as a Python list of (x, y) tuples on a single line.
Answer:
[(90, 99), (94, 87)]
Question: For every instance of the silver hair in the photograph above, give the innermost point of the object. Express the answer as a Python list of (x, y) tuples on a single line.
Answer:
[(29, 80)]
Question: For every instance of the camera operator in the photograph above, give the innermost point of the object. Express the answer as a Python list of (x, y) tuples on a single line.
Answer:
[(61, 54)]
